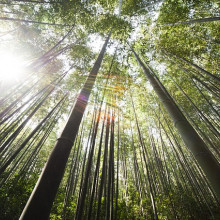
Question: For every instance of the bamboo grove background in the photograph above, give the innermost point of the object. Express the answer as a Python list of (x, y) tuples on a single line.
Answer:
[(128, 160)]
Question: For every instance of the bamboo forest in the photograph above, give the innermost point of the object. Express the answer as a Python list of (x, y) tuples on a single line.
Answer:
[(109, 109)]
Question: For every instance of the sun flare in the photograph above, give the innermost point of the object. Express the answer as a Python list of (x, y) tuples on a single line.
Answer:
[(11, 67)]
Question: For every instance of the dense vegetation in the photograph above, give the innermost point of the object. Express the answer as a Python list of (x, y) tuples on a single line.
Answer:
[(118, 101)]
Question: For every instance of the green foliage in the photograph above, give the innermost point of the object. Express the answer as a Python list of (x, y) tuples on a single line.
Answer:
[(175, 182), (14, 195)]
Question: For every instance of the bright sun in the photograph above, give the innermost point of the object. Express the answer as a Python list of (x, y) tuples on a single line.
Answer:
[(11, 68)]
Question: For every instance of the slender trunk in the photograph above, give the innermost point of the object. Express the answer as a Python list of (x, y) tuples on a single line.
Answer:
[(192, 140), (147, 162), (104, 167), (31, 22), (204, 84), (203, 95), (198, 68), (49, 53), (202, 116), (99, 152), (18, 130), (200, 20), (110, 173), (41, 199), (117, 175), (38, 2), (2, 169), (96, 171), (81, 203)]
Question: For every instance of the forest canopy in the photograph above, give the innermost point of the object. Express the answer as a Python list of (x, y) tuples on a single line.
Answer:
[(109, 109)]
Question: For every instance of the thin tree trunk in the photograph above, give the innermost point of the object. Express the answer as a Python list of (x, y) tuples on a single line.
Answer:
[(96, 171), (81, 203), (200, 20), (38, 2), (147, 163), (192, 140), (41, 199), (49, 53), (4, 166), (117, 175), (198, 68), (18, 130), (104, 166), (31, 22)]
